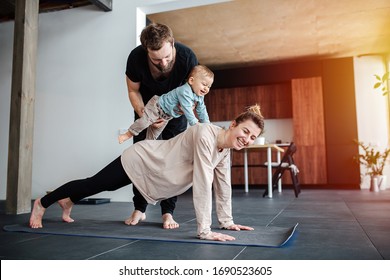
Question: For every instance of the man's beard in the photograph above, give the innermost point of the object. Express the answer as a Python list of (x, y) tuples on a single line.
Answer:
[(166, 69)]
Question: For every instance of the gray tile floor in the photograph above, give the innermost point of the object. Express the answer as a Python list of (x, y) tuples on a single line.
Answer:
[(333, 225)]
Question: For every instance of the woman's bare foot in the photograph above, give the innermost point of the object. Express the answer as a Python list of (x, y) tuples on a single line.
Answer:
[(135, 218), (169, 222), (66, 205), (37, 214)]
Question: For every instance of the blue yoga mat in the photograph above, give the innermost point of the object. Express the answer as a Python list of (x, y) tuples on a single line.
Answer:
[(269, 236)]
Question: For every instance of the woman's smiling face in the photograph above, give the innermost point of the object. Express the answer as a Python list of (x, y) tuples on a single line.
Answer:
[(242, 135)]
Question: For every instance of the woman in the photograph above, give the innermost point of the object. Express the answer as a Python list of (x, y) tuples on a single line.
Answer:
[(198, 157)]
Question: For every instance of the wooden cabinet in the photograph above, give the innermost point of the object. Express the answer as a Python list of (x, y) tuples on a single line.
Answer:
[(309, 130), (225, 104), (299, 99)]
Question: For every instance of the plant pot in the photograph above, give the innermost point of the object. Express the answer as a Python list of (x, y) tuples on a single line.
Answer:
[(382, 182), (378, 182), (374, 184)]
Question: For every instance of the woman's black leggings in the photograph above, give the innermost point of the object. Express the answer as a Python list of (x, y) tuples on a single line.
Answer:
[(110, 178)]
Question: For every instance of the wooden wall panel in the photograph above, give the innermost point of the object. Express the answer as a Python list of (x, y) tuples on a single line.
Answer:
[(311, 162), (309, 130), (225, 104)]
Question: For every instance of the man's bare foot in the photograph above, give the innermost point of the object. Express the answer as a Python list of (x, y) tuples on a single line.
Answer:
[(66, 205), (169, 222), (135, 218), (37, 214)]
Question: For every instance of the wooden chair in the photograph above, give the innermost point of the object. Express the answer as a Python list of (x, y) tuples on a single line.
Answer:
[(286, 163)]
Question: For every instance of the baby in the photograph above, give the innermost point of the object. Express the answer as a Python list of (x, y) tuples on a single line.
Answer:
[(173, 104)]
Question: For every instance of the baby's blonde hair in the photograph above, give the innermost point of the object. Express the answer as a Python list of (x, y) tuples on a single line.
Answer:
[(201, 70)]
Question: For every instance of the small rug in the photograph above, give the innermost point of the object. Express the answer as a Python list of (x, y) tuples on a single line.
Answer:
[(269, 236)]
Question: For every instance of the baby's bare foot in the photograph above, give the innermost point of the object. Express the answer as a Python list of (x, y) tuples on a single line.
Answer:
[(37, 214), (66, 205), (169, 222), (135, 218)]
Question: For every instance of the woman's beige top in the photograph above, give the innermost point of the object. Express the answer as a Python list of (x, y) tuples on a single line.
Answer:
[(162, 169)]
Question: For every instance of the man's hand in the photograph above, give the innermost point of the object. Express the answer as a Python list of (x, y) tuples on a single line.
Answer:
[(159, 123)]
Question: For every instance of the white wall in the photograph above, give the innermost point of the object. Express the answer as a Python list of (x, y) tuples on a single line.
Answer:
[(372, 108), (81, 96)]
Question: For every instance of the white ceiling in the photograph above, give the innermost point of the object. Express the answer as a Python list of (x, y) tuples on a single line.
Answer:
[(252, 32)]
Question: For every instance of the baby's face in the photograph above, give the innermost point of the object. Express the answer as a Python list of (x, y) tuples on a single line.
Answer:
[(201, 84)]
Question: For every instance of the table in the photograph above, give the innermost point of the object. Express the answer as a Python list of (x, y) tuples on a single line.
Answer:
[(269, 147)]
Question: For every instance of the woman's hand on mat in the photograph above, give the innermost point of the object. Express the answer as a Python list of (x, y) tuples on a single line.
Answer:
[(216, 236), (239, 227)]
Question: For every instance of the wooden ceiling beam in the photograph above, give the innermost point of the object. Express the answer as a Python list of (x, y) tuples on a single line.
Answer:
[(105, 5), (7, 7)]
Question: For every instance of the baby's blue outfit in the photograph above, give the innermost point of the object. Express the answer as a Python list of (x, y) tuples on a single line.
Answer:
[(166, 107), (186, 98)]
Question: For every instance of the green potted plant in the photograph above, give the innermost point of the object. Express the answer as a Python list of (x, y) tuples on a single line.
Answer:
[(374, 162)]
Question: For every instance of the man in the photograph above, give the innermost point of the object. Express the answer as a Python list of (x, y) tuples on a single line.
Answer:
[(155, 67)]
